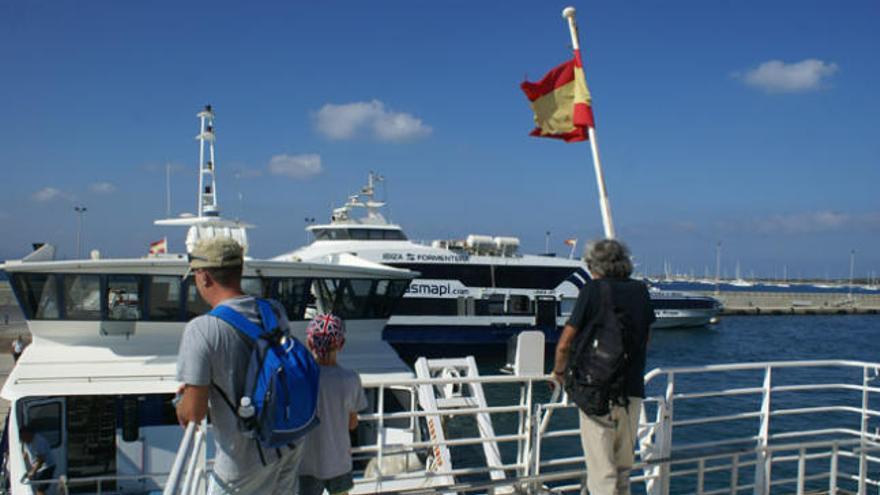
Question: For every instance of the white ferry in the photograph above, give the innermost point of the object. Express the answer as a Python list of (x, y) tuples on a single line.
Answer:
[(478, 290)]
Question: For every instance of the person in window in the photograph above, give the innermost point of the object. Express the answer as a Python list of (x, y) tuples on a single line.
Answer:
[(17, 347), (37, 458)]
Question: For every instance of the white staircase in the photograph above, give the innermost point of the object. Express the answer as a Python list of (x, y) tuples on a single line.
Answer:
[(444, 400)]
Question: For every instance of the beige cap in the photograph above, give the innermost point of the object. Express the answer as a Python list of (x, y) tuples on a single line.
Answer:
[(215, 252)]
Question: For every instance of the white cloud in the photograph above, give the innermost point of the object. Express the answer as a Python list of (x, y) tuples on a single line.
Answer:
[(296, 166), (247, 173), (350, 120), (102, 188), (797, 223), (801, 223), (775, 76), (47, 194)]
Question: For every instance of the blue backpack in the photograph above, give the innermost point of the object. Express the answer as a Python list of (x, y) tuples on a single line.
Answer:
[(281, 382)]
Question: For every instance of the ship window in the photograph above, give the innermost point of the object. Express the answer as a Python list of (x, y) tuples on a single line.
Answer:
[(376, 234), (351, 299), (427, 306), (519, 305), (385, 297), (38, 293), (359, 234), (254, 286), (195, 305), (326, 293), (292, 294), (566, 306), (82, 300), (359, 299), (330, 234), (45, 419), (394, 235), (164, 298), (124, 297), (496, 304)]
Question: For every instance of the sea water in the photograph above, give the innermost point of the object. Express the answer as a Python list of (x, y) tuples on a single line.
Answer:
[(735, 339)]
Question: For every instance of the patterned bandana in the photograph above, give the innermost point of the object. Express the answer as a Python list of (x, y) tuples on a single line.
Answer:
[(325, 333)]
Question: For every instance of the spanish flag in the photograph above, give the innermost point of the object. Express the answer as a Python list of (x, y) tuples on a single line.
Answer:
[(159, 247), (561, 102)]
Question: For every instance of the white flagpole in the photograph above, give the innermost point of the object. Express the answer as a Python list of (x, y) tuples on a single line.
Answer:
[(604, 204)]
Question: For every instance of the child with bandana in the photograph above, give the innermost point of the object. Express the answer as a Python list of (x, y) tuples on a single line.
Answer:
[(327, 464)]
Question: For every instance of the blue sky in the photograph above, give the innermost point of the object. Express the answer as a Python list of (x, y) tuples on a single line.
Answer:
[(751, 123)]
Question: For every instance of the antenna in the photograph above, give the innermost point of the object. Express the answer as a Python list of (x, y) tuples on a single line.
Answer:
[(167, 189), (207, 181)]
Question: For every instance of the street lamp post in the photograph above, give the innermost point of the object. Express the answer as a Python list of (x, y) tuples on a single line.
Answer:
[(852, 265), (80, 209)]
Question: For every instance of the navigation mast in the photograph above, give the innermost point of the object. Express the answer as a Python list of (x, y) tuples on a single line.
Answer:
[(207, 222), (207, 179)]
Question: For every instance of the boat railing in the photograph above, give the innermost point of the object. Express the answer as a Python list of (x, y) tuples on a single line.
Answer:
[(188, 474), (760, 428)]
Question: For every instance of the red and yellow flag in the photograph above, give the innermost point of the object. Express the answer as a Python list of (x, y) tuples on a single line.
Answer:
[(561, 102), (159, 247)]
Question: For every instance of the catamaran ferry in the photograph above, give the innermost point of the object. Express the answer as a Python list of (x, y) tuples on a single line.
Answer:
[(477, 290)]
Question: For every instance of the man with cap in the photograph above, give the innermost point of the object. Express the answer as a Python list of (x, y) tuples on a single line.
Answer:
[(212, 366)]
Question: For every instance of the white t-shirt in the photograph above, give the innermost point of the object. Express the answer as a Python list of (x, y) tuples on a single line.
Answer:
[(328, 447)]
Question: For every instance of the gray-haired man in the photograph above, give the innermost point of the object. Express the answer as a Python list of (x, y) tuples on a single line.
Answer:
[(608, 440)]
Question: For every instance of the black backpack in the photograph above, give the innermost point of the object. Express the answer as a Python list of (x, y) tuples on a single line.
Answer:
[(596, 375)]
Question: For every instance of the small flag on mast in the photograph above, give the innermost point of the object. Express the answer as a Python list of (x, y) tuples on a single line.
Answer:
[(571, 242), (561, 102), (159, 247)]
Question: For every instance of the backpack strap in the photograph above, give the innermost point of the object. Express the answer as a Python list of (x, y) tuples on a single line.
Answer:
[(246, 328), (239, 322), (267, 315)]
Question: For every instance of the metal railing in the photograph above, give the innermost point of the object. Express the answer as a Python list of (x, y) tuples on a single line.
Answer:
[(760, 428), (190, 463)]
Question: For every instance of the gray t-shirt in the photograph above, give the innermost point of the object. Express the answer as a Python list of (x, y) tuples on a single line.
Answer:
[(39, 448), (328, 446), (214, 353)]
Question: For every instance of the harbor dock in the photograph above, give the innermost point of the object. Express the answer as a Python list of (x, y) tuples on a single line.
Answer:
[(797, 303)]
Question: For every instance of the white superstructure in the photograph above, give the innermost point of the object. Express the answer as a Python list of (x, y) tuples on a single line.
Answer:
[(476, 290)]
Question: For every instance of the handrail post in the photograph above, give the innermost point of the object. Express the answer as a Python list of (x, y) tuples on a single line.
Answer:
[(832, 477), (763, 464), (174, 476), (666, 439), (863, 454), (380, 434), (734, 475), (802, 470), (530, 430)]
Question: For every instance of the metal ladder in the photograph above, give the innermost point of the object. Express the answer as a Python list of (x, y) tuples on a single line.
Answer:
[(444, 400)]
